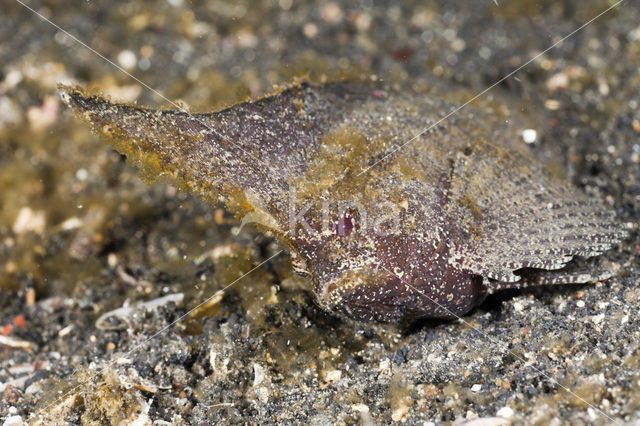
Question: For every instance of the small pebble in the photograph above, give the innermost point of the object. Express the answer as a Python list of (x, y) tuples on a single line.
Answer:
[(43, 116), (558, 81), (506, 412), (332, 12), (310, 30), (13, 421), (258, 374), (29, 220), (332, 376), (399, 412), (529, 136), (127, 59)]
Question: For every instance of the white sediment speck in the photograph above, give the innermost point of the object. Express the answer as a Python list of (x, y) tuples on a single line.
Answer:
[(506, 412), (126, 310), (258, 374), (29, 220), (82, 174), (332, 376), (385, 364), (476, 388), (597, 319), (529, 135), (127, 59), (13, 421)]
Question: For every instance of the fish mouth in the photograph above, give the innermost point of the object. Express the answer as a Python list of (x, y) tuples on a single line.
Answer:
[(363, 295), (332, 293)]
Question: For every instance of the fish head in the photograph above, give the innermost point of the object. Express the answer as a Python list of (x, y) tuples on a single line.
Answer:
[(355, 260)]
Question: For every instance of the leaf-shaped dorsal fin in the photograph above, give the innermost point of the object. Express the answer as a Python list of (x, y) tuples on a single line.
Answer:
[(253, 146), (259, 147)]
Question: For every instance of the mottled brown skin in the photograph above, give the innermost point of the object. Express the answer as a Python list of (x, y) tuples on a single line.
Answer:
[(459, 212)]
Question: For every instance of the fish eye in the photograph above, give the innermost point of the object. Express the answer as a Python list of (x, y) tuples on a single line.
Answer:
[(345, 225)]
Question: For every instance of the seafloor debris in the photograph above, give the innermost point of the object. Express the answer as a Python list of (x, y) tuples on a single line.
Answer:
[(457, 213), (122, 314), (16, 343)]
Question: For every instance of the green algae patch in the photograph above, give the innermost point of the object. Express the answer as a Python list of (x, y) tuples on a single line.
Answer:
[(96, 398)]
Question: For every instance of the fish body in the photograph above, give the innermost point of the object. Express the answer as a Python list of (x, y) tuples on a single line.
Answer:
[(392, 216)]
